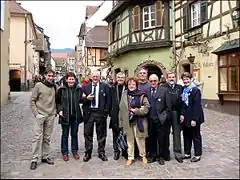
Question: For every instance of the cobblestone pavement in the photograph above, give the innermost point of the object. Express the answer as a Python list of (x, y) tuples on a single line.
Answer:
[(220, 151)]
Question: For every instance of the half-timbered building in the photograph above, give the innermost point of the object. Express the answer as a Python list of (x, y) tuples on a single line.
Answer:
[(206, 44), (140, 36)]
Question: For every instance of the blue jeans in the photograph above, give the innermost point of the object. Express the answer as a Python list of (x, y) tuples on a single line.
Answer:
[(73, 125)]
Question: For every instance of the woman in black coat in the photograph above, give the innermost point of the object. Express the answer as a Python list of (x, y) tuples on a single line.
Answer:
[(192, 117), (70, 114)]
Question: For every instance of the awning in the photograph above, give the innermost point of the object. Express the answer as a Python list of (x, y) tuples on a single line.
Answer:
[(228, 47)]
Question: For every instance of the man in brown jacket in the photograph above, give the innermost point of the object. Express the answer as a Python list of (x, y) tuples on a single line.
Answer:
[(43, 106)]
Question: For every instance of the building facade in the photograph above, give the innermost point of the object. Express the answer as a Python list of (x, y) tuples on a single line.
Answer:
[(4, 58), (140, 34), (93, 20), (22, 47), (207, 45)]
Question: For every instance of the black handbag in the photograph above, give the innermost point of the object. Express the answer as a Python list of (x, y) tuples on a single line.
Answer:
[(122, 144)]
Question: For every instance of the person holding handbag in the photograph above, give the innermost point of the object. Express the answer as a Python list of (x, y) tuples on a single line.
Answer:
[(133, 110)]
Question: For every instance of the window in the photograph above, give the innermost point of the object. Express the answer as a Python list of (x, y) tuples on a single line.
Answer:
[(113, 31), (151, 16), (228, 72), (148, 16), (195, 14)]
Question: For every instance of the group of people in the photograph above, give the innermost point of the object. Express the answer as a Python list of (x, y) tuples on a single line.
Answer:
[(140, 109)]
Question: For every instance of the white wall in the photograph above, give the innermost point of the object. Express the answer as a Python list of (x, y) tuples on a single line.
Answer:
[(53, 64), (102, 12)]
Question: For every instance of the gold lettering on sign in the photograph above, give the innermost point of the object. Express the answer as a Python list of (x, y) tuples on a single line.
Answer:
[(208, 64)]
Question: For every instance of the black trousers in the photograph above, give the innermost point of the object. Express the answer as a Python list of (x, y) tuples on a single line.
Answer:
[(101, 131), (158, 139), (192, 134), (115, 136), (176, 127)]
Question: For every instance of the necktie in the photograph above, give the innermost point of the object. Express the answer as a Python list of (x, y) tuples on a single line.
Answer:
[(94, 94), (153, 93)]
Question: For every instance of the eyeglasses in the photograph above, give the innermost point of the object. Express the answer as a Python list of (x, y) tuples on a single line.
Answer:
[(142, 73), (152, 81)]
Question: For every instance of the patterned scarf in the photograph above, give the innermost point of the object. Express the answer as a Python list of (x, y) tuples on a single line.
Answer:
[(186, 91)]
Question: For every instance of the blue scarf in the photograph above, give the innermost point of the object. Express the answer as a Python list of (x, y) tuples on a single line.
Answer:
[(186, 91)]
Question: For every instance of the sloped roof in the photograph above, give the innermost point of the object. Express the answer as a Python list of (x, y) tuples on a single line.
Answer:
[(90, 10), (97, 37), (230, 46), (72, 54), (15, 7), (59, 61)]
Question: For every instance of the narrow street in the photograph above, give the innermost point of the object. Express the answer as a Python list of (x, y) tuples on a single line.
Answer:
[(220, 151)]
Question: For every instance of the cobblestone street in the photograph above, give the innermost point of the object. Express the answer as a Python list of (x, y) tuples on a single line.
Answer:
[(220, 151)]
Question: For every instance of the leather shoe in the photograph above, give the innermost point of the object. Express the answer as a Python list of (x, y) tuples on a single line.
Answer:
[(161, 161), (65, 158), (103, 157), (116, 156), (167, 158), (151, 160), (48, 161), (196, 159), (33, 165), (186, 157), (179, 159), (87, 157), (76, 156)]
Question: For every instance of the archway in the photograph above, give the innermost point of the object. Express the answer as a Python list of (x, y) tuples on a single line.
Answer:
[(153, 69), (15, 80)]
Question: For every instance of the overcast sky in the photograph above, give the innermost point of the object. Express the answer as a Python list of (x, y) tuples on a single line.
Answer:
[(61, 20)]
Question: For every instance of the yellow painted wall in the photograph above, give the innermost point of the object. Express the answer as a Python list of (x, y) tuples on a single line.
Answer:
[(4, 58), (129, 61)]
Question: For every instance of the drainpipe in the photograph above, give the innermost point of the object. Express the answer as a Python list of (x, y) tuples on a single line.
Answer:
[(173, 37), (25, 54)]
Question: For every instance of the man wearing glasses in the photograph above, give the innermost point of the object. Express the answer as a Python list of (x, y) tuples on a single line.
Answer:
[(158, 121)]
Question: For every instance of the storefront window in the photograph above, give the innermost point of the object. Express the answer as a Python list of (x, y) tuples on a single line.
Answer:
[(229, 72)]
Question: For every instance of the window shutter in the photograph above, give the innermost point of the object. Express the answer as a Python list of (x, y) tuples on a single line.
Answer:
[(158, 13), (186, 17), (136, 18), (204, 11), (110, 33)]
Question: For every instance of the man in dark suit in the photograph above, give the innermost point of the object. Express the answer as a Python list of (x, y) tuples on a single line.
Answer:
[(175, 92), (96, 101), (116, 91), (159, 122)]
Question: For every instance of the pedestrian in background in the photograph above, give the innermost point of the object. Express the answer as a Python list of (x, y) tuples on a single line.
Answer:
[(192, 117), (43, 105), (70, 114)]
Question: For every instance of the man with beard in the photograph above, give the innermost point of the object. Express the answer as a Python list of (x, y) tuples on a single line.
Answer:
[(43, 105), (175, 90), (116, 91)]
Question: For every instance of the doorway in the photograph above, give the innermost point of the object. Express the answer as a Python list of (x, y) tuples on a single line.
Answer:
[(15, 80), (153, 69), (186, 68)]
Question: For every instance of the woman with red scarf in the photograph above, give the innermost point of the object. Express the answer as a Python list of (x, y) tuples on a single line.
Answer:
[(133, 111)]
